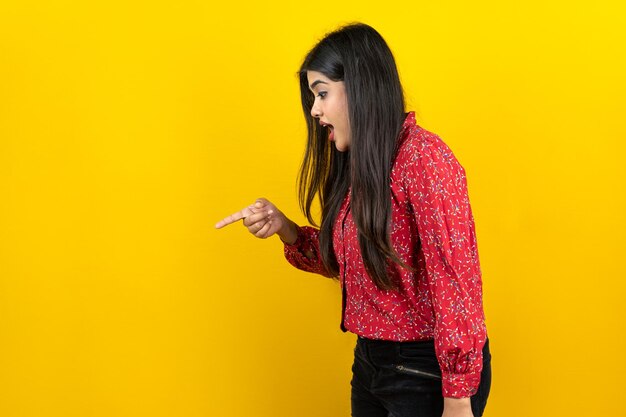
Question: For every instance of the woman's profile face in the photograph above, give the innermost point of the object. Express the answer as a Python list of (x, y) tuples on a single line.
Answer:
[(331, 108)]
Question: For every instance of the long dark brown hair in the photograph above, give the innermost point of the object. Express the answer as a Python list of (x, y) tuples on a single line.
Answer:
[(357, 55)]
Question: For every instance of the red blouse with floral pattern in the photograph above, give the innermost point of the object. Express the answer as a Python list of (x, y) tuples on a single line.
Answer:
[(432, 230)]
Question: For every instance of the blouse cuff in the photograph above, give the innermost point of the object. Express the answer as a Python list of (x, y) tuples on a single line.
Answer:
[(460, 385)]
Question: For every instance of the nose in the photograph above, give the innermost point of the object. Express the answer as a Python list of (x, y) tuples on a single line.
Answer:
[(315, 111)]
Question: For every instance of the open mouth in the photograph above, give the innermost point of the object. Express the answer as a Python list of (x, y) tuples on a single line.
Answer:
[(331, 132)]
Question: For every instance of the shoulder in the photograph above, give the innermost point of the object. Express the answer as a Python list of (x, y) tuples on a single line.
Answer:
[(424, 151)]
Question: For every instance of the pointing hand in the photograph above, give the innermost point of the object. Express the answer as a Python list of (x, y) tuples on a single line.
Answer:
[(262, 219)]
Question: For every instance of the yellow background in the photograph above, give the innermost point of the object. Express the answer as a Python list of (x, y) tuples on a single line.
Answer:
[(127, 129)]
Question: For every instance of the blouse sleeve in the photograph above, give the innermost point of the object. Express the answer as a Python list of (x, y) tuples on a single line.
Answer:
[(437, 187), (304, 253)]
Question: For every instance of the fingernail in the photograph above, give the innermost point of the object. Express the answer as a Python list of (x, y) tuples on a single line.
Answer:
[(258, 204), (270, 211)]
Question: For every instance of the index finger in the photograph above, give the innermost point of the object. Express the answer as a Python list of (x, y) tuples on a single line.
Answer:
[(234, 217)]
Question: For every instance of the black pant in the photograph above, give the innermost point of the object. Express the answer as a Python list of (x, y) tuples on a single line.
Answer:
[(402, 379)]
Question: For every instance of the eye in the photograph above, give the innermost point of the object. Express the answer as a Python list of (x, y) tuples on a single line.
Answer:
[(322, 94)]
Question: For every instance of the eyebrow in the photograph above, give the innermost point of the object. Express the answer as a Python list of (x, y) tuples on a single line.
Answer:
[(316, 82)]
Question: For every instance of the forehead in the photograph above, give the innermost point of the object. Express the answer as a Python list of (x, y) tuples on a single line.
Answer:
[(313, 76)]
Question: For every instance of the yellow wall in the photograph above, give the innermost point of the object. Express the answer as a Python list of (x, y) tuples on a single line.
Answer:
[(127, 131)]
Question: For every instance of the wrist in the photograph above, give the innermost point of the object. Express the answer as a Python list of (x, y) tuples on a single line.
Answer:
[(288, 233), (457, 403)]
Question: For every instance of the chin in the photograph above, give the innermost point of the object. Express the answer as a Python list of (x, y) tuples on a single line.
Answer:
[(341, 148)]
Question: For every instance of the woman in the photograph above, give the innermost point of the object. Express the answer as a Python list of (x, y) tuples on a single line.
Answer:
[(396, 230)]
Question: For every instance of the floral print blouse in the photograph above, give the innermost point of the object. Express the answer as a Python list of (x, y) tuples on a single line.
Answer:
[(432, 230)]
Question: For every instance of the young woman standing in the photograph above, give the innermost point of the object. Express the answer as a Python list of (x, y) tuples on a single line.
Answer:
[(396, 230)]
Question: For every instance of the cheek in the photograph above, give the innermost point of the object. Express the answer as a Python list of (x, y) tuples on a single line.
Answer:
[(341, 116), (344, 117), (345, 123)]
